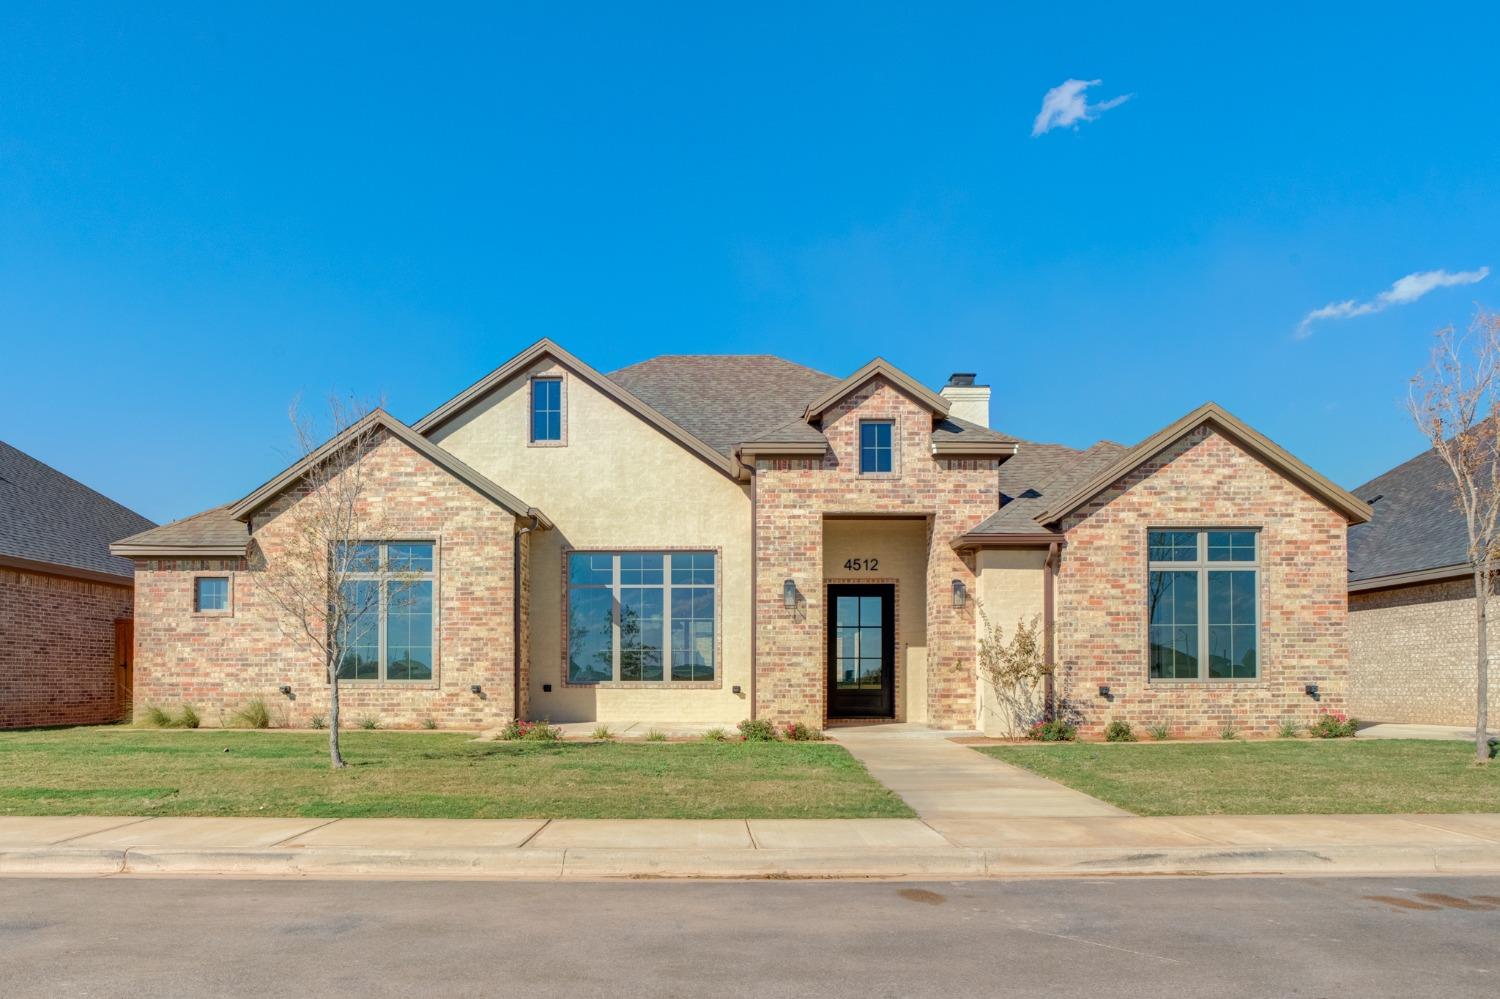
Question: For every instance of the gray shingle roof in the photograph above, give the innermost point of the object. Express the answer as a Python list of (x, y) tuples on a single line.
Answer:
[(45, 516), (1416, 524), (1038, 475), (210, 529)]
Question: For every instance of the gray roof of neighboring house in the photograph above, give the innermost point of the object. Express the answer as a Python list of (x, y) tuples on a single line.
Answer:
[(1416, 524), (1037, 476), (214, 528), (45, 516), (731, 399)]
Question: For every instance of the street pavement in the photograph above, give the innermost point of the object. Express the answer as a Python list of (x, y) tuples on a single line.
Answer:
[(1106, 937)]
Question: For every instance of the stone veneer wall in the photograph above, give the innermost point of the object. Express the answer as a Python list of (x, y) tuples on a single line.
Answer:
[(792, 497), (1203, 481), (218, 662), (57, 649), (1411, 653)]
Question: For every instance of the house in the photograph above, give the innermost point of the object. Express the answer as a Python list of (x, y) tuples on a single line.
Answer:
[(702, 539), (1411, 601), (65, 601)]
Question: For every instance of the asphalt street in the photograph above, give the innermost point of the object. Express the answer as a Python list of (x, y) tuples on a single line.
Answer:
[(1108, 937)]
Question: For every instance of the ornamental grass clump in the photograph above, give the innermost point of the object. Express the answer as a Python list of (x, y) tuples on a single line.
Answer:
[(254, 714)]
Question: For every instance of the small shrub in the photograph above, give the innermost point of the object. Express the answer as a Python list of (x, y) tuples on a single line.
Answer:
[(602, 733), (189, 717), (1056, 730), (798, 732), (516, 730), (156, 717), (656, 735), (1161, 733), (369, 722), (1332, 725), (254, 714), (1229, 733), (1118, 731), (1289, 729), (757, 730), (318, 721), (429, 723), (715, 735)]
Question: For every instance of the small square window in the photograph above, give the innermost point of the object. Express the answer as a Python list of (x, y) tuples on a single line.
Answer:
[(875, 446), (211, 593), (546, 410)]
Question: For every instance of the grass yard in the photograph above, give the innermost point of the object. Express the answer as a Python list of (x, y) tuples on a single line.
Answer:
[(123, 771), (1290, 777)]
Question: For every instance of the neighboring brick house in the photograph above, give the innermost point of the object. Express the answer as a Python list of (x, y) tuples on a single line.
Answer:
[(65, 601), (727, 537), (1411, 601)]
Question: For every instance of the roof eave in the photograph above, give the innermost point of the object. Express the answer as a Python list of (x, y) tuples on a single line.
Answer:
[(878, 367), (975, 449), (178, 551), (1017, 539), (66, 571), (1416, 576)]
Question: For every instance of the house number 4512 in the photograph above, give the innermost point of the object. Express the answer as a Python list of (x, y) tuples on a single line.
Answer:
[(862, 564)]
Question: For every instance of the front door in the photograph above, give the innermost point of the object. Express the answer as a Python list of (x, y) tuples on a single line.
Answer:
[(124, 666), (862, 650)]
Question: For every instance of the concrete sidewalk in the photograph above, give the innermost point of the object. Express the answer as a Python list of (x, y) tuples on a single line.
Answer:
[(758, 848)]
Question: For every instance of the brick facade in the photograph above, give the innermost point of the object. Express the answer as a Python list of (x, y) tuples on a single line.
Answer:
[(219, 662), (57, 649), (1411, 651), (792, 499), (1205, 480)]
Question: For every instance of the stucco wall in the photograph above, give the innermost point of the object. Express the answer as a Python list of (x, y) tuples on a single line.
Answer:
[(617, 484), (1411, 653), (1203, 481), (900, 548), (218, 662), (1010, 590), (57, 649)]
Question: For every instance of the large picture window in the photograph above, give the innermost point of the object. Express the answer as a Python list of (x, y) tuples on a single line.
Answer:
[(388, 595), (641, 616), (1202, 604)]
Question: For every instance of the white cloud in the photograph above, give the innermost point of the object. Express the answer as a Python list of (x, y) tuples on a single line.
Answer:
[(1066, 105), (1403, 292)]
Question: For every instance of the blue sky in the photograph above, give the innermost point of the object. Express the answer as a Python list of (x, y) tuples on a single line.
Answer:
[(204, 214)]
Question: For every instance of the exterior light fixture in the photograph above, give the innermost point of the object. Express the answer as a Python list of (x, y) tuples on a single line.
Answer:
[(789, 593), (1311, 690), (475, 689), (286, 689), (735, 689), (1104, 691), (960, 594)]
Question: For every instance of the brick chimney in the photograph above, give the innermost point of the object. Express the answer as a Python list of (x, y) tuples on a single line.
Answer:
[(968, 401)]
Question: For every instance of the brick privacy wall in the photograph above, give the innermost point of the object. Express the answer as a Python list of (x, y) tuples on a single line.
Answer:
[(57, 649), (1203, 481), (1411, 653), (792, 498), (217, 663)]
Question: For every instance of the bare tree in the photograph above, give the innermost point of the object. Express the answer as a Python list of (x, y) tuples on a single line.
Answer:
[(326, 570), (1455, 402)]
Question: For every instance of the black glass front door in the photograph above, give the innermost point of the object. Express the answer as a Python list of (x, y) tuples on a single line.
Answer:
[(861, 651)]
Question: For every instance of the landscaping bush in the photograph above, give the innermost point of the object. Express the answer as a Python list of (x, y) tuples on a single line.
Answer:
[(715, 735), (156, 717), (1229, 733), (254, 714), (429, 723), (798, 732), (1289, 729), (1055, 730), (656, 735), (530, 731), (189, 717), (757, 730), (1161, 733), (369, 722), (602, 733), (1332, 725), (1118, 731), (318, 721)]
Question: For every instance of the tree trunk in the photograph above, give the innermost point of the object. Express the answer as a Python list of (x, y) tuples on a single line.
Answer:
[(334, 755), (1481, 721)]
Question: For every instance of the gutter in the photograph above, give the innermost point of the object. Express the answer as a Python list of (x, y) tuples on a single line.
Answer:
[(1048, 631), (515, 617), (1460, 570)]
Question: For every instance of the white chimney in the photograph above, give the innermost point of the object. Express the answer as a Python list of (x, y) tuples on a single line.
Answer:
[(967, 401)]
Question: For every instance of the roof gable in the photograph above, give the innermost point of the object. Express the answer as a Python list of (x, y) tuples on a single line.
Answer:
[(878, 368), (1215, 416)]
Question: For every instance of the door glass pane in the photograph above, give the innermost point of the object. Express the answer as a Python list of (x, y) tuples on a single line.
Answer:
[(870, 674), (869, 610), (848, 673), (847, 612)]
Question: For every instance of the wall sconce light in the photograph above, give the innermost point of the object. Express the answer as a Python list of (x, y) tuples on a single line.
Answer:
[(286, 689), (960, 594), (546, 688), (1311, 690), (789, 593), (1104, 691), (475, 689), (735, 689)]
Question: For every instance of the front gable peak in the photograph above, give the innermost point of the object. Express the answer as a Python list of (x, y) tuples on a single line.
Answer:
[(877, 368)]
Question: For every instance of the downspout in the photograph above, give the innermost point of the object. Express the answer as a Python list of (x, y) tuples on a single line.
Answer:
[(515, 617), (754, 590), (1049, 639)]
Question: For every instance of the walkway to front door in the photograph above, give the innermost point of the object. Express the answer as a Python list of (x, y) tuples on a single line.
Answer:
[(946, 782)]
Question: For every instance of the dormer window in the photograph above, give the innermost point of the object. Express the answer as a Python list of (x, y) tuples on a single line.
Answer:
[(875, 455), (546, 411)]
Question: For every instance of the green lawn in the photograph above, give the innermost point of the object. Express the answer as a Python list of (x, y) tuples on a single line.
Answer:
[(1269, 778), (123, 771)]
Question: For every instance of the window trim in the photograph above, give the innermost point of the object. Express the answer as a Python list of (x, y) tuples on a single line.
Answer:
[(434, 577), (859, 448), (227, 610), (1202, 567), (560, 377), (665, 684)]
